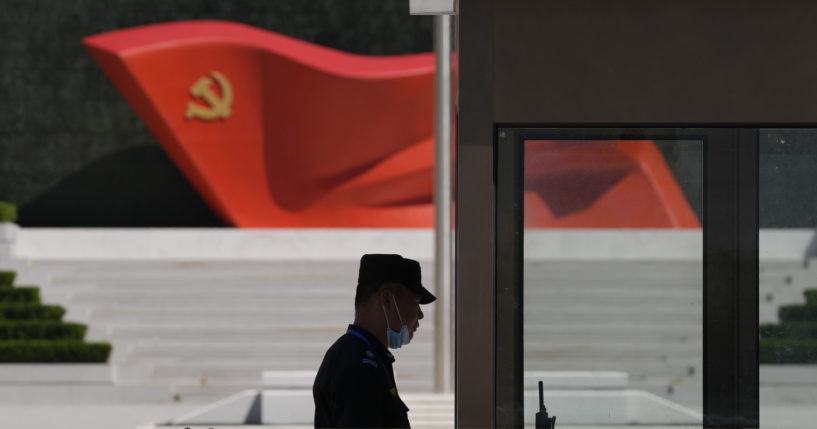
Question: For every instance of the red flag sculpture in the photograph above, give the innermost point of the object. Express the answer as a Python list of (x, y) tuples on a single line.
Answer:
[(277, 132)]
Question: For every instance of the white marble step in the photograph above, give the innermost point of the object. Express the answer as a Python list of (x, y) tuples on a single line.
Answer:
[(586, 331), (248, 375), (283, 293), (217, 313), (238, 266), (320, 332), (572, 291), (281, 350), (638, 371), (85, 394), (226, 322), (609, 314)]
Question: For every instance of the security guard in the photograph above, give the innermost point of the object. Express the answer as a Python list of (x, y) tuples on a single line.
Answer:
[(355, 385)]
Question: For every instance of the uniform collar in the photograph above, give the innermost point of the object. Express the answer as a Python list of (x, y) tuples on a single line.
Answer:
[(379, 348)]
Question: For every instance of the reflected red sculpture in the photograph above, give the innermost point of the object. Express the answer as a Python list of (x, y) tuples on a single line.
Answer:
[(277, 132), (602, 183)]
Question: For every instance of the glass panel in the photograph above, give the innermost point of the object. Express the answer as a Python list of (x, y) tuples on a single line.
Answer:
[(613, 281), (788, 278)]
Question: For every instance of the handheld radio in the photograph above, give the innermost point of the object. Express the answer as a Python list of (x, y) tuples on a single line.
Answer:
[(542, 419)]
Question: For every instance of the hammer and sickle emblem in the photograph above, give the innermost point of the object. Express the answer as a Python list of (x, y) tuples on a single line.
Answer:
[(217, 107)]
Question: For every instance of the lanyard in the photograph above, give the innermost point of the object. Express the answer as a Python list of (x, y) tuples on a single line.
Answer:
[(368, 343)]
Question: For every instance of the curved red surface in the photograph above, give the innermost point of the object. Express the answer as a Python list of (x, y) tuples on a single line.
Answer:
[(314, 137), (602, 183)]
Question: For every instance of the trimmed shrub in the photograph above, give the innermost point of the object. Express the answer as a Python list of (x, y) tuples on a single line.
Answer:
[(811, 296), (798, 313), (37, 330), (8, 212), (53, 351), (776, 350), (31, 312), (791, 330), (7, 278), (34, 333), (20, 294)]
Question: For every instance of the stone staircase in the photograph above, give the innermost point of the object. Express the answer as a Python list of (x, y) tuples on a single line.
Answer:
[(783, 282), (642, 318), (206, 329), (200, 330)]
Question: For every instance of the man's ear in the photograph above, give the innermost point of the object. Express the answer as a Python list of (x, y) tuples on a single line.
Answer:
[(384, 298), (379, 298)]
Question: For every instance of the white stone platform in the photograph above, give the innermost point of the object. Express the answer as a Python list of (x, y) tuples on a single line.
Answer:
[(202, 326)]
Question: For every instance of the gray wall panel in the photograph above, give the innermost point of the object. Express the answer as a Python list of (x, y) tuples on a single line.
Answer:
[(666, 61)]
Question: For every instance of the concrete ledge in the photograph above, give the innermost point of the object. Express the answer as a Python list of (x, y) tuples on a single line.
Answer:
[(644, 408), (237, 409), (287, 407), (609, 407), (591, 407), (588, 380), (47, 373), (614, 244), (8, 232), (8, 237), (607, 402), (348, 244), (70, 393), (786, 244), (288, 379), (220, 244), (772, 375)]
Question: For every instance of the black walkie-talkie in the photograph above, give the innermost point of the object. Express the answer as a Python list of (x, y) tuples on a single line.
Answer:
[(542, 419)]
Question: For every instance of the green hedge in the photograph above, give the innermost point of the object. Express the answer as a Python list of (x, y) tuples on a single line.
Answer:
[(7, 278), (8, 212), (798, 313), (53, 351), (31, 312), (20, 294), (811, 296), (34, 333), (791, 330), (775, 350), (37, 330)]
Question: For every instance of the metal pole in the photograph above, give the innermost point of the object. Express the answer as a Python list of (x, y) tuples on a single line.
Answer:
[(443, 315)]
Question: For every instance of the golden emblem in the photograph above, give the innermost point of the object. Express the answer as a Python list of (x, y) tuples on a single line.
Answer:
[(217, 107)]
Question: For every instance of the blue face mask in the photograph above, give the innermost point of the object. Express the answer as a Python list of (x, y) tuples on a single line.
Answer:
[(396, 339)]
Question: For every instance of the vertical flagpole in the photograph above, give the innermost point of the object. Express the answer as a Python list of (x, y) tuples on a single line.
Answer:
[(443, 314)]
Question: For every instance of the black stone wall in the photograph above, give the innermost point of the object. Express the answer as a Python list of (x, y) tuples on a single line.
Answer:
[(72, 153)]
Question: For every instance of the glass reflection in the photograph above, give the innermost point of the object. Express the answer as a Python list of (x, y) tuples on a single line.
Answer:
[(613, 281), (787, 278)]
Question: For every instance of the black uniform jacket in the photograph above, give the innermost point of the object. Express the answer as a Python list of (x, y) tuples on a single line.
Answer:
[(355, 385)]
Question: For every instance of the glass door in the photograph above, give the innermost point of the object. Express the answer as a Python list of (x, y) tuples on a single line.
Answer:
[(609, 289)]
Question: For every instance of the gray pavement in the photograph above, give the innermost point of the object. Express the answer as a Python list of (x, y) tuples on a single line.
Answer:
[(89, 416), (782, 407)]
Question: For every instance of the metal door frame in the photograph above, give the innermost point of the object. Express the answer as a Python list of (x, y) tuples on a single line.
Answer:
[(730, 268)]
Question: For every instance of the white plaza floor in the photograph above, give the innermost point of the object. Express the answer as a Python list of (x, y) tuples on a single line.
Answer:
[(793, 407)]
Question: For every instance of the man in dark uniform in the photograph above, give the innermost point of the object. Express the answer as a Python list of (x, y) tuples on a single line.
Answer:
[(355, 385)]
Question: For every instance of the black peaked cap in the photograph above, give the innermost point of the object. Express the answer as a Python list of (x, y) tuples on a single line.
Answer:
[(379, 268)]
